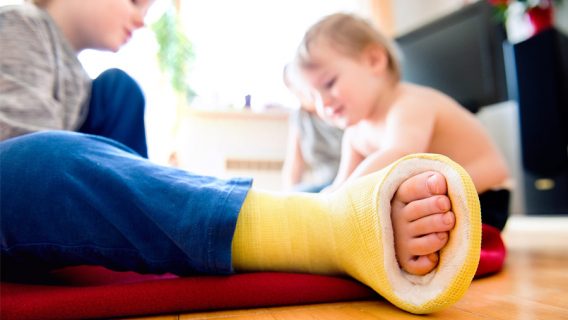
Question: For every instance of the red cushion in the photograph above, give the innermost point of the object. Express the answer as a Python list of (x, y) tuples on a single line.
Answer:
[(493, 252), (95, 292)]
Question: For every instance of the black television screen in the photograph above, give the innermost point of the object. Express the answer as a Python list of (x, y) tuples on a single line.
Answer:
[(460, 54)]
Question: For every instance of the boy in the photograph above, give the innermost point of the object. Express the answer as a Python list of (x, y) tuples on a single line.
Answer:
[(42, 83)]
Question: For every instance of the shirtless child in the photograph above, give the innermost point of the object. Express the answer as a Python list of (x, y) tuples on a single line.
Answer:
[(356, 78)]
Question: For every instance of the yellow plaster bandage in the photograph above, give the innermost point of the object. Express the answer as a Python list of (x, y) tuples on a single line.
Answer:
[(349, 232)]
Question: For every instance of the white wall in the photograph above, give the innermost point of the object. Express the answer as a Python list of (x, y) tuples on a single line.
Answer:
[(561, 17), (242, 46), (255, 142), (502, 123), (410, 14)]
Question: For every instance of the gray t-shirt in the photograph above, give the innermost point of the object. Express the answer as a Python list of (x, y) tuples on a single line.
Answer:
[(43, 86), (320, 144)]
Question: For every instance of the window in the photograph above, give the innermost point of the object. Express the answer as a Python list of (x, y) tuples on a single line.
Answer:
[(242, 46)]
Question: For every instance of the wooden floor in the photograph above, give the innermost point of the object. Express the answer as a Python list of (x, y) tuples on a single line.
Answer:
[(533, 285)]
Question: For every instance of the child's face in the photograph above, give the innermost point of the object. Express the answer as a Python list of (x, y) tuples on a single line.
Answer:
[(347, 88), (107, 24)]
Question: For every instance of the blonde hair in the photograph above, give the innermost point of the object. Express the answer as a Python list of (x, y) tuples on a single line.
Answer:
[(348, 34)]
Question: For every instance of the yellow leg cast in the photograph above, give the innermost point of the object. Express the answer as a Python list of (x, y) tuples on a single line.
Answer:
[(349, 232)]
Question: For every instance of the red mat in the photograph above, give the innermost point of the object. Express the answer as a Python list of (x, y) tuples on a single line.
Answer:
[(95, 292)]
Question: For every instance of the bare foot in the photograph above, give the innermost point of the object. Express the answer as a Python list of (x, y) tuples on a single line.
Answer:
[(421, 219)]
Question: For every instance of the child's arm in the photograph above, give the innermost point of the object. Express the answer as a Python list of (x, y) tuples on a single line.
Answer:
[(350, 159), (409, 128), (293, 167)]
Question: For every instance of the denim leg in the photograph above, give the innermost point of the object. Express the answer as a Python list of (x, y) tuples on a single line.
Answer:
[(116, 110), (72, 199)]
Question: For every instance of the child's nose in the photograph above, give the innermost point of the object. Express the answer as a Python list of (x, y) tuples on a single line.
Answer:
[(326, 99), (138, 19)]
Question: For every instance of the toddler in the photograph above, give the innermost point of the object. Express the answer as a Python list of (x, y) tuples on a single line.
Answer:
[(355, 74)]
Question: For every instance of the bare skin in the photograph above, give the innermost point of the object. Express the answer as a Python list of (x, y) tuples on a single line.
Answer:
[(422, 218), (98, 24)]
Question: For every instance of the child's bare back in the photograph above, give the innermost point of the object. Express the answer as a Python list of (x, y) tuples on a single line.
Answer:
[(421, 119)]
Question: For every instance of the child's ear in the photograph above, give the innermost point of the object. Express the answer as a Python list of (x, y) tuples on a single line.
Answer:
[(376, 58)]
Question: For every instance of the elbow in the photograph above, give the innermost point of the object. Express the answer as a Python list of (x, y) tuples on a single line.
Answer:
[(503, 170)]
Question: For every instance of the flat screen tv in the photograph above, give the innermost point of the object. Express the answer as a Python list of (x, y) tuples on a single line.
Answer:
[(460, 54)]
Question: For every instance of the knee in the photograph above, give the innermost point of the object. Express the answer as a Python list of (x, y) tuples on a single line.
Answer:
[(50, 146), (39, 144), (34, 154), (115, 87), (115, 74), (117, 79)]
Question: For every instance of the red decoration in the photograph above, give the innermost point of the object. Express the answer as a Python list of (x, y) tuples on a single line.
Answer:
[(541, 18)]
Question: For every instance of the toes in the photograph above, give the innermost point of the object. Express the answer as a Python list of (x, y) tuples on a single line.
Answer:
[(421, 186), (440, 222), (427, 244), (421, 265), (421, 221), (425, 207)]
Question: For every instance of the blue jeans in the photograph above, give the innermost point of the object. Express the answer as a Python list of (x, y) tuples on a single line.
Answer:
[(116, 110), (68, 198)]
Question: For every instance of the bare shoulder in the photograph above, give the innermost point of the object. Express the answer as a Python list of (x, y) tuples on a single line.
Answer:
[(423, 94), (425, 99), (418, 99)]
